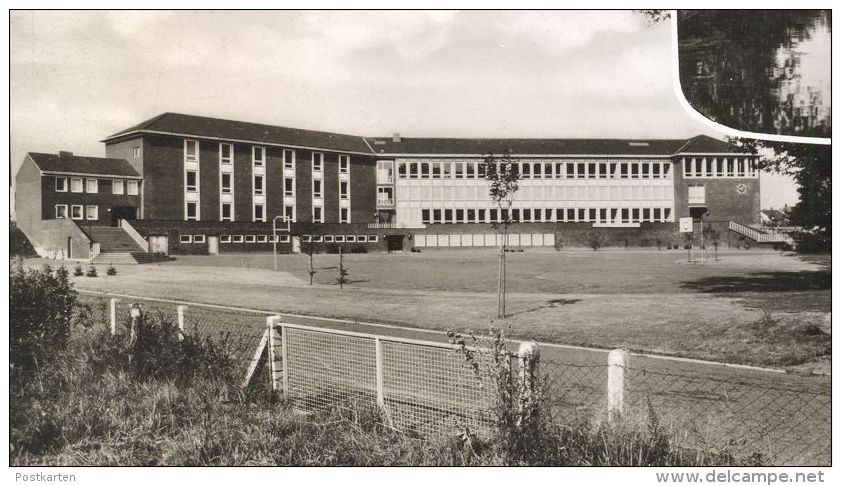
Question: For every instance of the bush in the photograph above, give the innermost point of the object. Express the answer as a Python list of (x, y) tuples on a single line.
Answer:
[(595, 241), (19, 244), (41, 314), (111, 270), (91, 271), (807, 242), (78, 271)]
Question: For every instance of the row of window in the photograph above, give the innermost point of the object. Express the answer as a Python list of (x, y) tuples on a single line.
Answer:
[(258, 156), (547, 215), (185, 239), (259, 212), (76, 211), (537, 170), (91, 185), (556, 192), (715, 167)]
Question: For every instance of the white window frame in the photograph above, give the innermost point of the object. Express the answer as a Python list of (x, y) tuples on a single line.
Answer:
[(346, 195), (222, 183), (342, 219), (195, 186), (225, 239), (262, 190), (130, 185), (250, 238), (238, 239), (320, 218), (135, 151), (262, 238), (344, 164), (320, 193), (254, 212), (185, 238), (226, 160), (373, 238), (328, 238), (283, 239), (261, 162), (320, 157), (290, 162), (292, 192), (339, 238), (222, 211), (199, 239), (81, 184), (88, 212), (66, 211), (361, 238), (187, 217), (350, 238), (187, 156), (118, 183), (81, 209), (66, 184), (291, 217)]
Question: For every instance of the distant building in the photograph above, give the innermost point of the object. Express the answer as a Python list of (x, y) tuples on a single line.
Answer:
[(187, 184)]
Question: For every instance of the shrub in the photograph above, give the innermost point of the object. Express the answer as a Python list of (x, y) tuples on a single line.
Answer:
[(78, 271), (807, 242), (41, 314), (595, 241), (91, 271), (110, 270), (19, 244)]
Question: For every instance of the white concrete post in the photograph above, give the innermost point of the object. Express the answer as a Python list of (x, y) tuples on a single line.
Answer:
[(379, 364), (284, 361), (181, 309), (617, 361), (529, 361), (270, 320), (113, 316)]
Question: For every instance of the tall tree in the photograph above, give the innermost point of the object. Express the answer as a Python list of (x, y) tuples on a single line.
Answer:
[(810, 165), (503, 179)]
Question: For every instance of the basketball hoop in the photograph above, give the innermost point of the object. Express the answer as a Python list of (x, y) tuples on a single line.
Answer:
[(286, 224)]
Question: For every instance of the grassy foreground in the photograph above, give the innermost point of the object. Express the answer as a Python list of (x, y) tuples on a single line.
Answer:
[(81, 409)]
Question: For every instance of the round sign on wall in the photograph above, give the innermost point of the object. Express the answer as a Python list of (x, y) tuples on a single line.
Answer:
[(741, 188)]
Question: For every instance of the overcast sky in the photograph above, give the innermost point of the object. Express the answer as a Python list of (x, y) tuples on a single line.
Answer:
[(77, 77)]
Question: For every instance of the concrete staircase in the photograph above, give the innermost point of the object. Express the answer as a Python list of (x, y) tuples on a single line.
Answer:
[(116, 247)]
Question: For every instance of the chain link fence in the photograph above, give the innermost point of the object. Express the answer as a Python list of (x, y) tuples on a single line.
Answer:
[(426, 388)]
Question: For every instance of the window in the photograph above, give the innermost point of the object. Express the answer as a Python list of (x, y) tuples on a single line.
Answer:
[(76, 211), (424, 170), (191, 150), (284, 239), (262, 238), (191, 181), (361, 238), (92, 212), (258, 185), (135, 151), (198, 239), (192, 211), (225, 239), (60, 211), (118, 187), (61, 184), (373, 238), (401, 170), (227, 213), (470, 171), (425, 216), (226, 153), (350, 238), (259, 212), (317, 213), (344, 190), (185, 239), (538, 171), (250, 239), (132, 188), (328, 238), (288, 159), (289, 212), (317, 161), (238, 239), (697, 195), (340, 238), (76, 185), (317, 188), (459, 172), (344, 215), (288, 186), (344, 164), (226, 185), (258, 156), (306, 238)]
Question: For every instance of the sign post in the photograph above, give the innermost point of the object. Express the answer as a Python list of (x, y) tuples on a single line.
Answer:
[(685, 227)]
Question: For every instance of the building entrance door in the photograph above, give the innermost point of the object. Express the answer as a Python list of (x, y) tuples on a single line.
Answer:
[(394, 242), (213, 245), (159, 244)]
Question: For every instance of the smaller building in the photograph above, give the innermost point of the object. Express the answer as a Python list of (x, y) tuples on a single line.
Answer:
[(62, 199)]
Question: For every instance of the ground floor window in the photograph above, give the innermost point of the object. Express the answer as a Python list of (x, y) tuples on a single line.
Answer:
[(227, 213), (92, 212), (185, 239), (60, 211), (198, 239), (192, 211), (76, 211)]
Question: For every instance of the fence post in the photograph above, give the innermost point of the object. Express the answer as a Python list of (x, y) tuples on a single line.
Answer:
[(270, 320), (181, 309), (529, 361), (284, 361), (113, 316), (378, 350), (617, 360)]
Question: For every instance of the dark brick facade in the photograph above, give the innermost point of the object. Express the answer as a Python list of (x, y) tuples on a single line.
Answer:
[(723, 200)]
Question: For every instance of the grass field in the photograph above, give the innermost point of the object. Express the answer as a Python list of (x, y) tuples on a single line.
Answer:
[(751, 307)]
